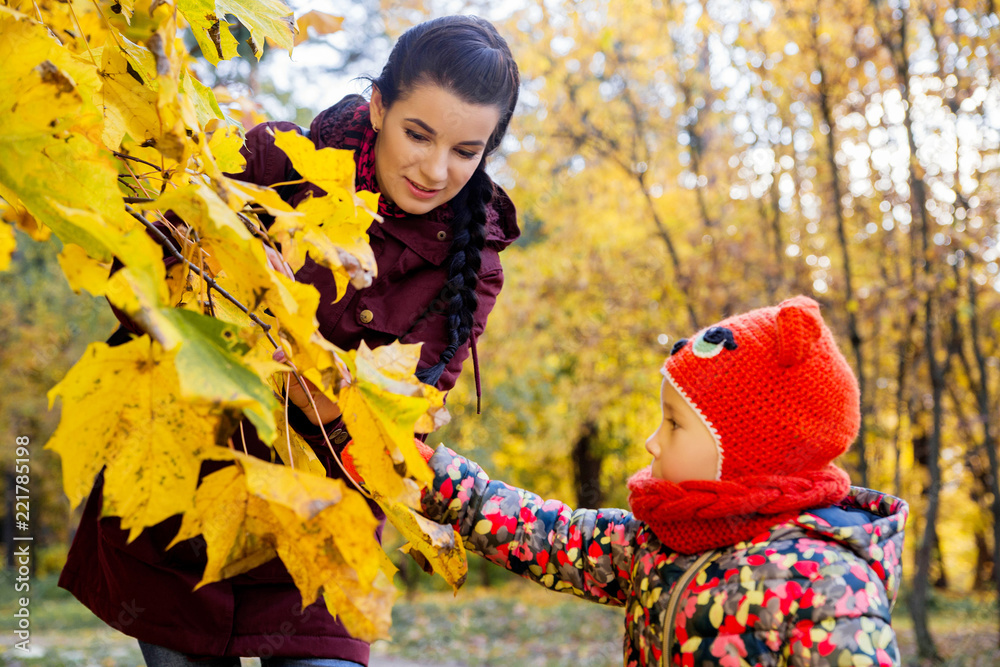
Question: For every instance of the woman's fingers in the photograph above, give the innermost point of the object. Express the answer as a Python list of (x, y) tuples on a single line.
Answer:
[(278, 262), (328, 410)]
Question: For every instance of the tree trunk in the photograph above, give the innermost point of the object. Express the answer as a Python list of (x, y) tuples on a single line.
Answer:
[(587, 469), (983, 579), (941, 580), (853, 332), (894, 38), (987, 416)]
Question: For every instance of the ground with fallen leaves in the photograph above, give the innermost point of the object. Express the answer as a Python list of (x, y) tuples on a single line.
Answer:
[(511, 623)]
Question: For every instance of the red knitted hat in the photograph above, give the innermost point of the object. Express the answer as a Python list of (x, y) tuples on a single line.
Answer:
[(773, 388), (781, 402)]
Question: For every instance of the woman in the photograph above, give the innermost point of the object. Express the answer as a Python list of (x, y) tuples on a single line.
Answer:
[(441, 105)]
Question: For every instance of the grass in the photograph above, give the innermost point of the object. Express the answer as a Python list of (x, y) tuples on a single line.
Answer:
[(511, 623), (516, 624)]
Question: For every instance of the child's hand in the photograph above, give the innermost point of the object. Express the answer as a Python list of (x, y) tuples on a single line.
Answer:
[(348, 460)]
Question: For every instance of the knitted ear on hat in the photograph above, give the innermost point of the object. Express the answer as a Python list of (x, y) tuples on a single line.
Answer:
[(799, 327)]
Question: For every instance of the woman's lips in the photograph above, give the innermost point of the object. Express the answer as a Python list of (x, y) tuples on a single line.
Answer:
[(418, 192)]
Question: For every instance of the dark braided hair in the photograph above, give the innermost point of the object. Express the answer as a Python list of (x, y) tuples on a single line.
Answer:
[(466, 56)]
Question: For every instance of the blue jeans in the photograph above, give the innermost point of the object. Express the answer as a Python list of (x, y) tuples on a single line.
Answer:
[(158, 656)]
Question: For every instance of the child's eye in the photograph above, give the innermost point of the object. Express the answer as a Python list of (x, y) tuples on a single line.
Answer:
[(416, 137), (673, 424)]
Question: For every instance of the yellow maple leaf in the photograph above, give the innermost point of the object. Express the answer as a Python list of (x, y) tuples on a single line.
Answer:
[(334, 233), (15, 213), (268, 19), (82, 271), (312, 523), (265, 19), (293, 449), (225, 141), (150, 438), (205, 105), (330, 169), (49, 137), (240, 192), (219, 514), (210, 29), (367, 616), (320, 22), (381, 406), (440, 545), (127, 98)]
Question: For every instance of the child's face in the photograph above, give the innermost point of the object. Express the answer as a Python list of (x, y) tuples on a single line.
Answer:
[(683, 448)]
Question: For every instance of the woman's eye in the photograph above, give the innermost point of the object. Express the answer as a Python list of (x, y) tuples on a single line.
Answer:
[(468, 155), (416, 137)]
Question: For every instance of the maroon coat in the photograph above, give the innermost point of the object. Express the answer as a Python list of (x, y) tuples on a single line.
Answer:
[(145, 591)]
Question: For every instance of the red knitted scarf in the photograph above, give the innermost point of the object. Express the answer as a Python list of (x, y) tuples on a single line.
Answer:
[(698, 515)]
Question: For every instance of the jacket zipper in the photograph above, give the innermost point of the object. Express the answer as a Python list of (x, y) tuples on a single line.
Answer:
[(675, 599)]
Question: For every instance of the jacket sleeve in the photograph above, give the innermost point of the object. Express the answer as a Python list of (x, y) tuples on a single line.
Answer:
[(584, 552), (843, 618)]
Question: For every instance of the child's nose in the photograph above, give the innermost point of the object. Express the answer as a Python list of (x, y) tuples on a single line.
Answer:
[(651, 446)]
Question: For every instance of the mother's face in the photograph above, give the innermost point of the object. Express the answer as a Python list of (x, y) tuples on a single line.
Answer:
[(428, 146)]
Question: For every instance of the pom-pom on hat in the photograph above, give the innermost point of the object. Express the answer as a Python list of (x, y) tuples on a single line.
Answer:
[(782, 404), (773, 388)]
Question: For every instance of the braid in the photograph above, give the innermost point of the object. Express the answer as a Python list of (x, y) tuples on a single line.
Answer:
[(468, 239)]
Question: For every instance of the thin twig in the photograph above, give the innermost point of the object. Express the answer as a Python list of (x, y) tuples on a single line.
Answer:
[(136, 200), (252, 228), (288, 435), (165, 242), (326, 438), (278, 185), (268, 241), (83, 35), (124, 181), (243, 437), (136, 179), (126, 156), (111, 28)]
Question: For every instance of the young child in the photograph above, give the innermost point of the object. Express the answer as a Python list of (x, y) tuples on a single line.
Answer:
[(745, 544)]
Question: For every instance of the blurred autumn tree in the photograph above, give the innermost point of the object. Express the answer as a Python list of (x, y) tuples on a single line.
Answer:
[(38, 343)]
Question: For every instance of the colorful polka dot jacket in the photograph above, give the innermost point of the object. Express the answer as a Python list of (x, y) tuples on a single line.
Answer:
[(816, 590)]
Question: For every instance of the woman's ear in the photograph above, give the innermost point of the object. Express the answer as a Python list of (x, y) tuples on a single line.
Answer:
[(376, 110)]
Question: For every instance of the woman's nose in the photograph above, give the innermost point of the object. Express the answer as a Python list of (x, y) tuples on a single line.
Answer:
[(435, 168)]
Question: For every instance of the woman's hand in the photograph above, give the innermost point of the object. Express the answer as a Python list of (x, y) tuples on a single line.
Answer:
[(278, 262), (328, 410)]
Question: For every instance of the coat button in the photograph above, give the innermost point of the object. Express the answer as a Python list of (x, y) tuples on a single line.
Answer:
[(366, 316), (442, 235), (340, 438)]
